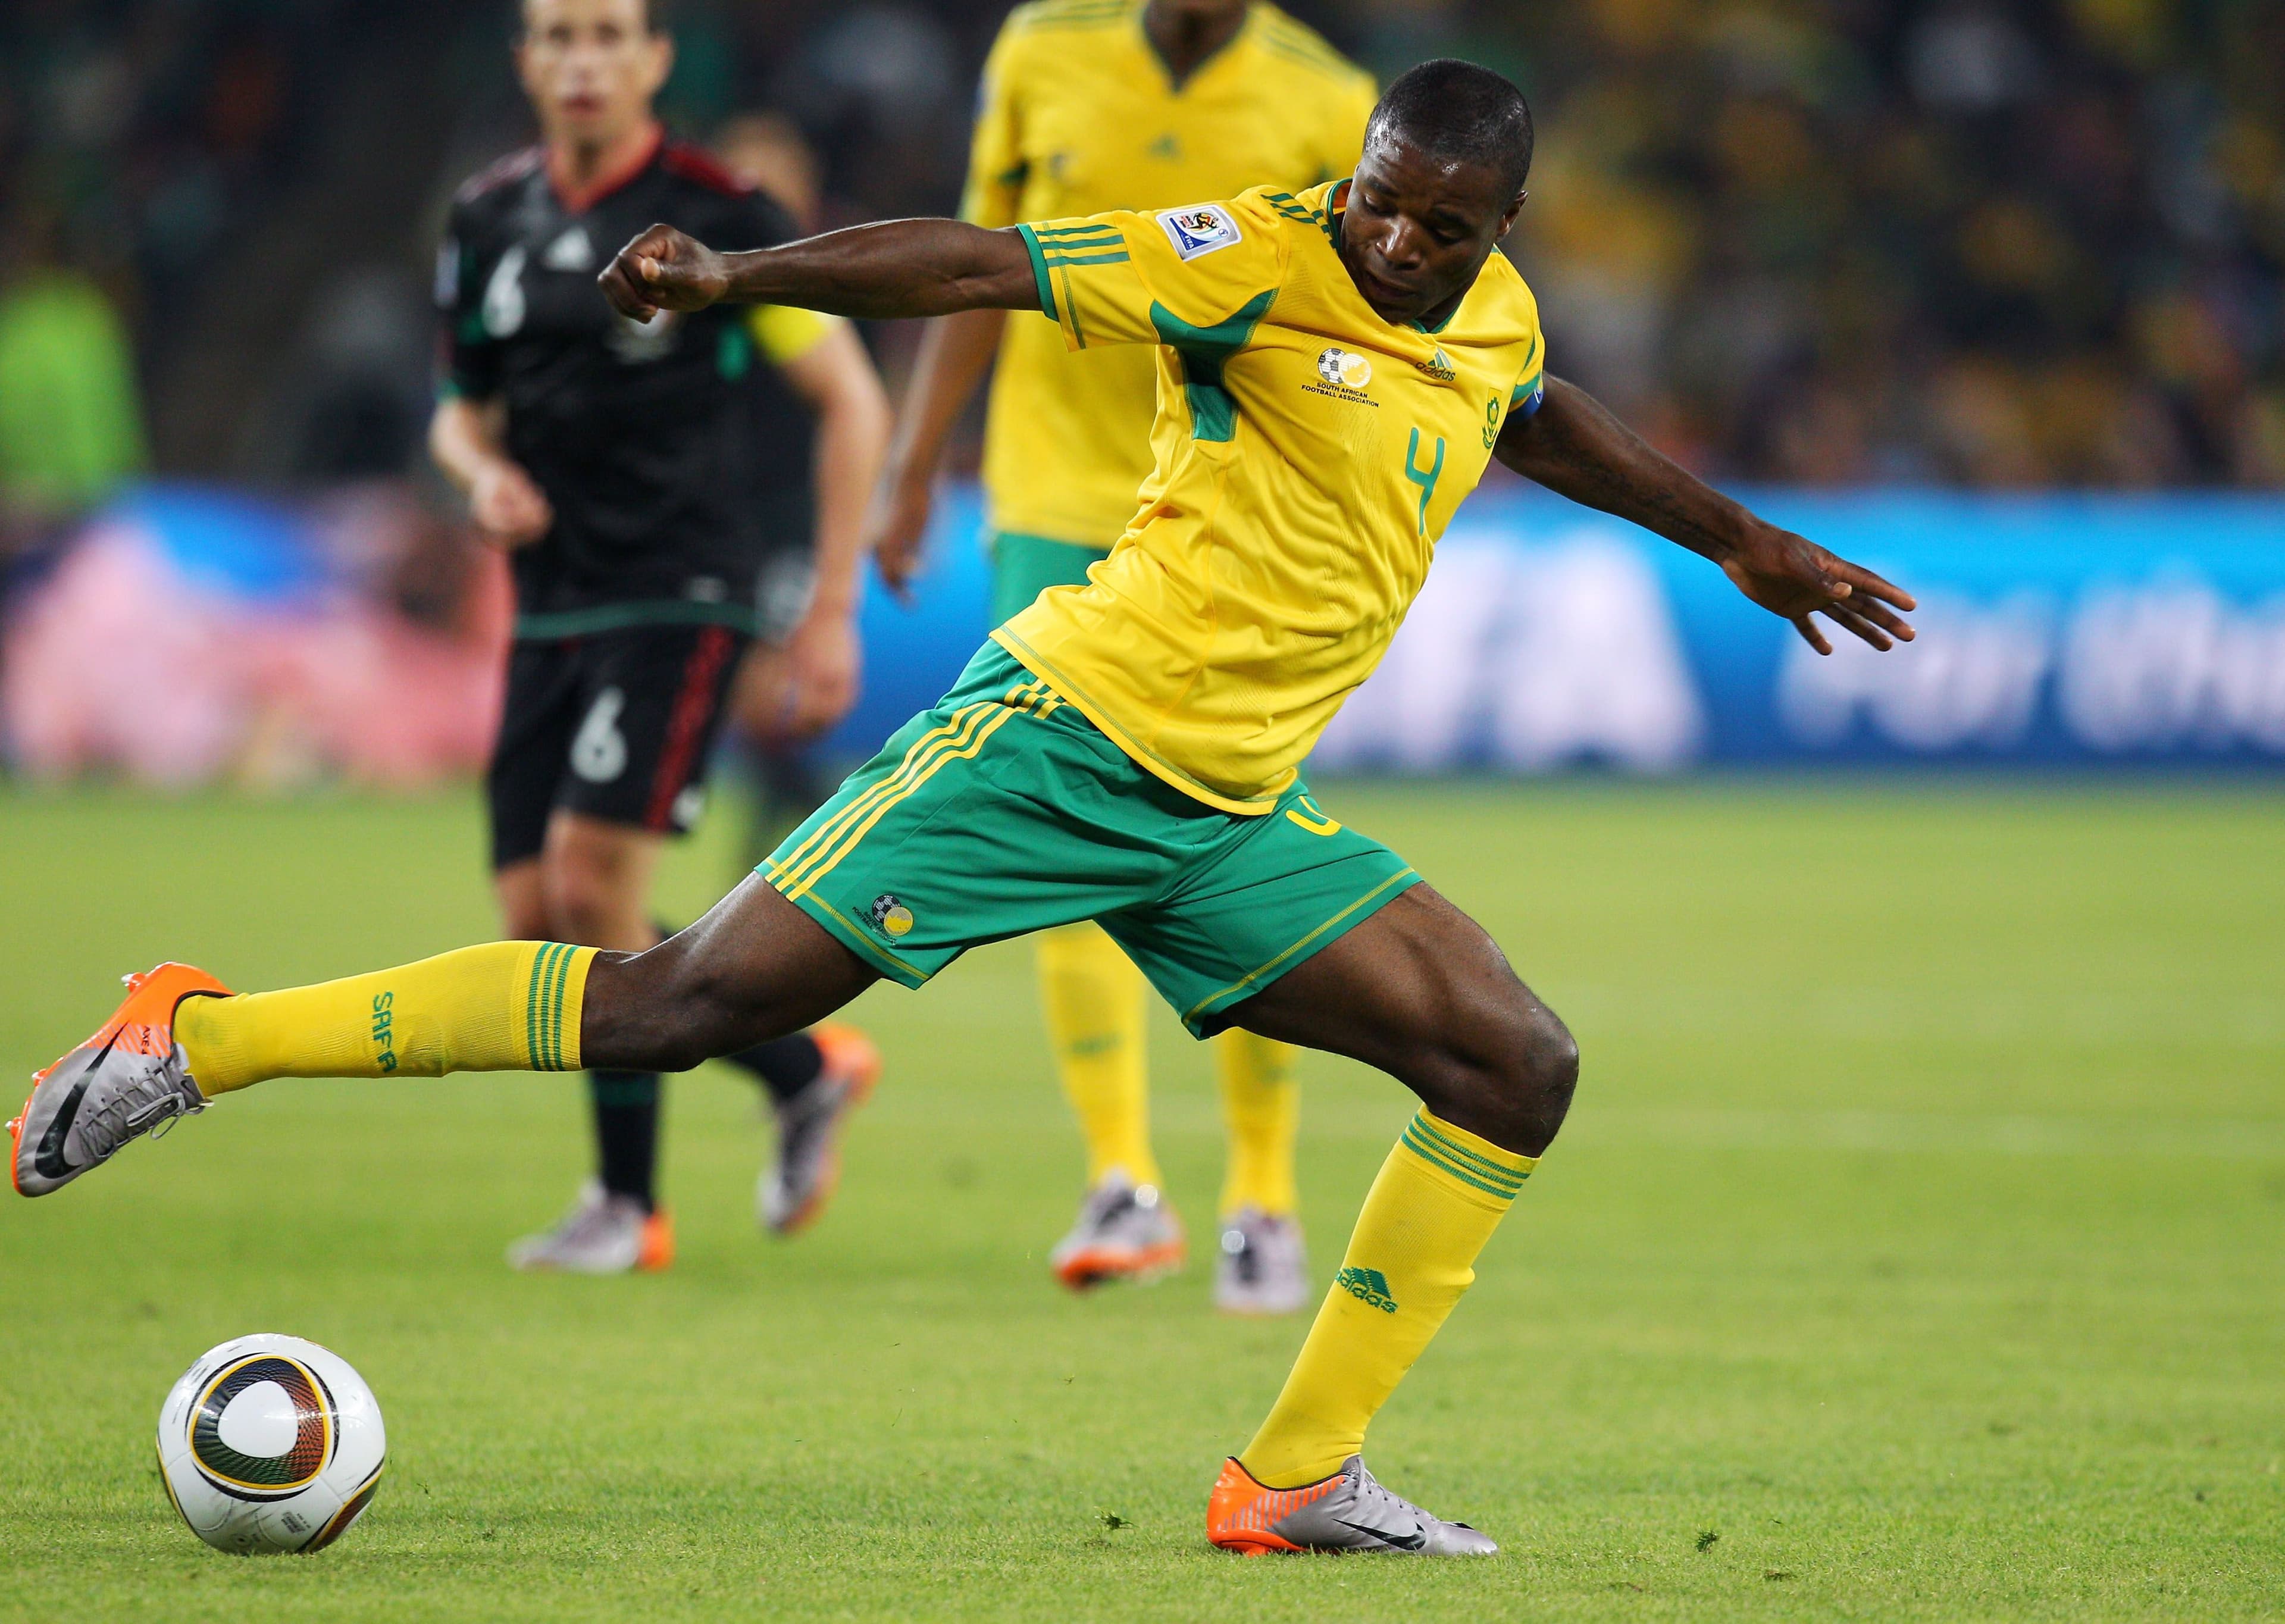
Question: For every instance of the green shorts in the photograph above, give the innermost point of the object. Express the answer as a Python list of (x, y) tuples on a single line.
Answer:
[(1023, 567), (1004, 811)]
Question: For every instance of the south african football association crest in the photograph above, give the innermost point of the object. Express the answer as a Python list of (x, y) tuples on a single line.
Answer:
[(890, 917), (1344, 368)]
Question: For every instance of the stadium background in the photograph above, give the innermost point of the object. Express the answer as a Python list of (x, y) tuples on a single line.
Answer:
[(1919, 1232)]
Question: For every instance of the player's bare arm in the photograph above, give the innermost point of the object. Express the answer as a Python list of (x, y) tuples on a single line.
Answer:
[(1575, 447), (896, 268), (837, 379), (464, 439), (955, 352)]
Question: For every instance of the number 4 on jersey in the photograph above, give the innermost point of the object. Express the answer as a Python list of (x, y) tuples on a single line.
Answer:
[(1426, 478)]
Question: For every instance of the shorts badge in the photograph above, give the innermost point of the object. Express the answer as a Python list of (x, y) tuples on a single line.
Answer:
[(890, 916)]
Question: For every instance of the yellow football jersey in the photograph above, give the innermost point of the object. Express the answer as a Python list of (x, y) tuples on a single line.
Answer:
[(1308, 456), (1077, 115)]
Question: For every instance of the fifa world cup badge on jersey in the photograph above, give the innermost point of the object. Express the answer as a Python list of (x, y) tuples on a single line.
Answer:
[(1198, 231)]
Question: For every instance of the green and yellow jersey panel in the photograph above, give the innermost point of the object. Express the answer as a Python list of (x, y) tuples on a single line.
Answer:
[(1307, 456)]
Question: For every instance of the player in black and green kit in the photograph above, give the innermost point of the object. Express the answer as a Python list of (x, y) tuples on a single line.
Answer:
[(611, 457)]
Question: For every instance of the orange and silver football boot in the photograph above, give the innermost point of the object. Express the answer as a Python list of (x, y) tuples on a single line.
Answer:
[(126, 1079), (603, 1233), (1349, 1511), (794, 1190), (1124, 1231)]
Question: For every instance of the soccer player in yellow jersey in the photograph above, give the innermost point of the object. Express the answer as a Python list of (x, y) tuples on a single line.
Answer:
[(1336, 366), (1088, 105)]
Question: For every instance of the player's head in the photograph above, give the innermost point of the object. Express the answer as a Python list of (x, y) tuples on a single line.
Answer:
[(1445, 154), (591, 67)]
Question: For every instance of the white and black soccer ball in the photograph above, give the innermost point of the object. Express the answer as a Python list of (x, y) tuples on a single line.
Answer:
[(270, 1443)]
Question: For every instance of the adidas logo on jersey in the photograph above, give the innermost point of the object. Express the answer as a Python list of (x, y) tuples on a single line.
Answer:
[(1368, 1286)]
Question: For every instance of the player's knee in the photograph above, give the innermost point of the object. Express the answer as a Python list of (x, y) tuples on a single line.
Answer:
[(1542, 1068), (1513, 1072), (587, 903)]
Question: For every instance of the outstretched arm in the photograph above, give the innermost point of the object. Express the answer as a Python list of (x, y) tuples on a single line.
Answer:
[(1575, 448), (894, 268)]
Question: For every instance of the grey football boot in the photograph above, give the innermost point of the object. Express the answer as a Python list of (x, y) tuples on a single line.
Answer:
[(129, 1078), (1349, 1511), (794, 1190), (1264, 1268), (1124, 1231), (605, 1234)]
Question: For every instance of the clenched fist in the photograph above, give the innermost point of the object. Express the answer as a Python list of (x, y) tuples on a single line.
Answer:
[(663, 269)]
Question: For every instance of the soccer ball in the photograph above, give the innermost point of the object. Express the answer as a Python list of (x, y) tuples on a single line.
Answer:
[(270, 1443)]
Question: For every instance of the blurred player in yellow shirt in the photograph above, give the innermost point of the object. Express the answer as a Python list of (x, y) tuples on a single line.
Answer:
[(1088, 105)]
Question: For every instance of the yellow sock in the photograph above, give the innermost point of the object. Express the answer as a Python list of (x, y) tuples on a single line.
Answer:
[(1093, 997), (503, 1007), (1261, 1107), (1440, 1195)]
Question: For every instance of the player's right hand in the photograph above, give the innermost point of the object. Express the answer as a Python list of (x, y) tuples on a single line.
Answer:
[(895, 529), (509, 509), (663, 269)]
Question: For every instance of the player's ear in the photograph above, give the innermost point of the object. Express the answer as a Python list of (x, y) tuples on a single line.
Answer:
[(660, 46), (1515, 208)]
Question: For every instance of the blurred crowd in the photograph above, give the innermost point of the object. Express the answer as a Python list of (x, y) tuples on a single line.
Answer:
[(1960, 241), (1982, 242)]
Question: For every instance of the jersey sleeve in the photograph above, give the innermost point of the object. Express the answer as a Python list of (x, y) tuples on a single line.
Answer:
[(1530, 388), (468, 360), (786, 332), (995, 150), (1206, 272)]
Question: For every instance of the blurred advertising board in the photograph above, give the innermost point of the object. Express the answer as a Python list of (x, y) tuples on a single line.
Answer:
[(2056, 630)]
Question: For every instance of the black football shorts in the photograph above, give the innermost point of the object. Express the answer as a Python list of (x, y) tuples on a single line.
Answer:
[(619, 725)]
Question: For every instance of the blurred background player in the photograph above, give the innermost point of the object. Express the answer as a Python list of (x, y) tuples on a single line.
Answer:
[(1088, 105), (801, 675), (611, 459)]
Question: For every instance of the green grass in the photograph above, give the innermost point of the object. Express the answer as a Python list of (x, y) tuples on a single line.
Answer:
[(1917, 1248)]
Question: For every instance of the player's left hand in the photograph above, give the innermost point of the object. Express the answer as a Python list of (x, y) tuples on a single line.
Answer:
[(826, 657), (663, 269), (1791, 576)]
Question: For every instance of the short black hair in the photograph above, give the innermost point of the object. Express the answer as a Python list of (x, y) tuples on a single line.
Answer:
[(1460, 112)]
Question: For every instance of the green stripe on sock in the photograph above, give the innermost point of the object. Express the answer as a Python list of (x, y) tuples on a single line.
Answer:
[(531, 1009), (1474, 1158), (558, 971), (1428, 1153)]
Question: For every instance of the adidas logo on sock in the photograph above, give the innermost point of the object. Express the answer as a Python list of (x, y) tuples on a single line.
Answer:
[(1368, 1286)]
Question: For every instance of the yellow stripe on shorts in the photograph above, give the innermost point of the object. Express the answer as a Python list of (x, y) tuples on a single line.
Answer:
[(830, 829), (880, 811), (928, 752)]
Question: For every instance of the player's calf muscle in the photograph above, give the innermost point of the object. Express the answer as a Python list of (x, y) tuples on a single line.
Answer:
[(754, 968)]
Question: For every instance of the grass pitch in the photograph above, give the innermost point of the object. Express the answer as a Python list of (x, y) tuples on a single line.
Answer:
[(1914, 1249)]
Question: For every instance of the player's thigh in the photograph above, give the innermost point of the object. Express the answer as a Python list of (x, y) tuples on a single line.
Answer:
[(1260, 896), (653, 702), (996, 813), (538, 715), (1422, 991)]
